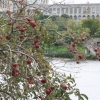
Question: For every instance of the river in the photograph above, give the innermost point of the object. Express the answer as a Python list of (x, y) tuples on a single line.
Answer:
[(86, 74)]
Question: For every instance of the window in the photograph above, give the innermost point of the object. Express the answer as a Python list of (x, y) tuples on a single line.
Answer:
[(88, 10), (0, 13), (58, 10), (50, 10), (75, 17), (84, 9), (88, 16), (84, 16), (97, 10), (54, 10), (93, 16), (75, 10), (79, 10), (93, 10), (79, 17), (97, 16), (70, 16), (3, 4), (14, 7), (62, 10), (45, 12), (71, 10), (67, 10)]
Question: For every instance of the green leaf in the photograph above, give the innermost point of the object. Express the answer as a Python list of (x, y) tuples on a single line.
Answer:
[(84, 96), (81, 98)]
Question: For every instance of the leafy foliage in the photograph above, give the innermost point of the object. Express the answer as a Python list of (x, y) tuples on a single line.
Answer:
[(24, 71), (65, 16), (92, 24)]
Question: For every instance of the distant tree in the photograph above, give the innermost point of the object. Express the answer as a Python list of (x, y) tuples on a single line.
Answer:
[(61, 23), (49, 24), (41, 17), (75, 30), (65, 16), (72, 24), (92, 24), (54, 17)]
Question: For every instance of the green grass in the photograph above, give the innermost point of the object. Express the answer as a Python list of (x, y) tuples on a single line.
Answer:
[(62, 49), (81, 49), (57, 49)]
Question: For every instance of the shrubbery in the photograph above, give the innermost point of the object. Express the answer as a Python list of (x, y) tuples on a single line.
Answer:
[(91, 57), (60, 54)]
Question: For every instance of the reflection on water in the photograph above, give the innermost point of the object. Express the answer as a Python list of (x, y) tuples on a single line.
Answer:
[(86, 74)]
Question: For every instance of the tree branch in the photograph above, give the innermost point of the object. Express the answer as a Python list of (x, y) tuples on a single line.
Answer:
[(8, 94)]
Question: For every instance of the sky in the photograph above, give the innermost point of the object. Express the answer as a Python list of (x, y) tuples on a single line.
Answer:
[(74, 1)]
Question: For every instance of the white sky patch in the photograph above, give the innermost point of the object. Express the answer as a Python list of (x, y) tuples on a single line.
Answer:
[(74, 1)]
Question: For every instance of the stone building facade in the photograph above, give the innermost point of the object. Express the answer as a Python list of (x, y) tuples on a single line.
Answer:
[(75, 11), (6, 5), (40, 1)]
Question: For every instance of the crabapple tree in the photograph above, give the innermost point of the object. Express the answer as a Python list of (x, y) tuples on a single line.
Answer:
[(25, 72)]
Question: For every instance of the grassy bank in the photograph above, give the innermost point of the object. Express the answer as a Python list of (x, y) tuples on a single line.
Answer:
[(62, 52)]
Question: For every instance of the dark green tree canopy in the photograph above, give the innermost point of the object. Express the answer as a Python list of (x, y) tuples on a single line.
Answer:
[(92, 24), (65, 16)]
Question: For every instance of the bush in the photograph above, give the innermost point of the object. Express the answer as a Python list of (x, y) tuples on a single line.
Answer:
[(61, 55), (91, 57)]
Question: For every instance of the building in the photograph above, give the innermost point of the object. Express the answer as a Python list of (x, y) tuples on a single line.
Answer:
[(39, 1), (34, 4), (12, 6), (6, 5), (75, 11), (16, 4)]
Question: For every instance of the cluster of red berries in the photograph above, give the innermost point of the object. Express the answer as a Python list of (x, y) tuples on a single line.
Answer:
[(29, 62), (1, 36), (7, 37), (10, 23), (36, 42), (49, 90), (80, 56), (43, 80), (64, 87), (97, 53), (84, 39), (8, 12), (22, 29), (32, 23), (15, 70), (74, 51)]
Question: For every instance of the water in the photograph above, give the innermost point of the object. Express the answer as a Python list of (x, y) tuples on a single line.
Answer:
[(86, 74)]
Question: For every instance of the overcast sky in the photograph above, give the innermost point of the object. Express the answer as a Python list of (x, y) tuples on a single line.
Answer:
[(74, 1)]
